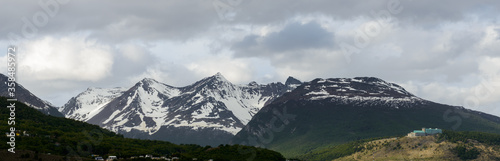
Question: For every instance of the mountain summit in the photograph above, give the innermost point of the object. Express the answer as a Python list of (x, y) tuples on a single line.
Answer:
[(359, 90), (291, 81), (90, 102)]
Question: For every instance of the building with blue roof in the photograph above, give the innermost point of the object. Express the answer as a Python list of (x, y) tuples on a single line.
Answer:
[(425, 132)]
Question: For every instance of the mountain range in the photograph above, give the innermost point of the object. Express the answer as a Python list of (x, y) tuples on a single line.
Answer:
[(208, 112), (43, 137), (293, 118)]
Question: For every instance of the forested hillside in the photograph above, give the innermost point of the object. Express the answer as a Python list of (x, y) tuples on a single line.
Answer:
[(42, 134)]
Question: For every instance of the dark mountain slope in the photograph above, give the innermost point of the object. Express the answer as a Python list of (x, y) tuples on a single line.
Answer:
[(25, 96), (327, 112)]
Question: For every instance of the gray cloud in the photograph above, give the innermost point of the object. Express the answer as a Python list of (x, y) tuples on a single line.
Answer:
[(113, 20), (434, 48), (128, 19), (297, 36), (498, 33), (292, 37), (426, 12)]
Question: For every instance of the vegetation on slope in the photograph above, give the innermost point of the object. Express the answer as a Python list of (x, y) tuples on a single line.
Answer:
[(466, 136), (43, 134), (338, 151), (465, 149), (451, 145)]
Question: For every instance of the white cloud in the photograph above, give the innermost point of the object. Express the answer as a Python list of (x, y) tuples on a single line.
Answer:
[(482, 94), (134, 53), (67, 58), (489, 43)]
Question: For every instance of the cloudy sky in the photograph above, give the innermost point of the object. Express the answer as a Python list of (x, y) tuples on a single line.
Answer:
[(447, 52)]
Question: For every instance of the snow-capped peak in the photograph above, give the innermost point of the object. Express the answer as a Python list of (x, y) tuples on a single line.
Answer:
[(219, 77), (148, 80), (90, 102), (359, 86), (253, 84), (359, 90)]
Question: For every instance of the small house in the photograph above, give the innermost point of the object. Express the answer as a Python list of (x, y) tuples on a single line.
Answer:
[(111, 158)]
